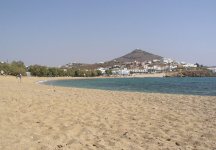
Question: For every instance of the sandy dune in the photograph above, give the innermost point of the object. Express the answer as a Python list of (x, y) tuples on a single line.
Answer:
[(40, 117)]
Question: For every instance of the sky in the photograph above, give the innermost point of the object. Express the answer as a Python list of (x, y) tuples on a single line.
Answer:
[(56, 32)]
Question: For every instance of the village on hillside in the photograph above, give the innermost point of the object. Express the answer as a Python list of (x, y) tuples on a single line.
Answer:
[(138, 62), (154, 66)]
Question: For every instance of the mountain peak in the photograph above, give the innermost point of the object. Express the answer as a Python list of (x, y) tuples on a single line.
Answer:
[(137, 50), (138, 55)]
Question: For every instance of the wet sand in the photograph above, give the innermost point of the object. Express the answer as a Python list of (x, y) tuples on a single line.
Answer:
[(40, 117)]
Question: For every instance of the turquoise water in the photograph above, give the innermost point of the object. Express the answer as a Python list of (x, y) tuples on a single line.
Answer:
[(193, 86)]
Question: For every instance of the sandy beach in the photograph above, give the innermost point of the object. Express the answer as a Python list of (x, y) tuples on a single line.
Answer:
[(41, 117)]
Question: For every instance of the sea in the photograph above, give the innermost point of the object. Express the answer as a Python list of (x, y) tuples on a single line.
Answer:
[(184, 85)]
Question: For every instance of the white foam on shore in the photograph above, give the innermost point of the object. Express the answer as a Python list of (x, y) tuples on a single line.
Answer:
[(41, 81)]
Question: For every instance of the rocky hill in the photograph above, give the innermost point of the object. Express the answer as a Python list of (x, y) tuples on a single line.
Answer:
[(137, 55)]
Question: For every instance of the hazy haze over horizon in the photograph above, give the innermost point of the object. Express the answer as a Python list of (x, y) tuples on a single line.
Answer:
[(56, 32)]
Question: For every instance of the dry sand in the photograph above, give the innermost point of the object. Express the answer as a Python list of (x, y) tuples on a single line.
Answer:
[(40, 117)]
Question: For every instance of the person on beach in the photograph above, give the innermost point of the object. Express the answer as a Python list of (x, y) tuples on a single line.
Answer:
[(19, 76)]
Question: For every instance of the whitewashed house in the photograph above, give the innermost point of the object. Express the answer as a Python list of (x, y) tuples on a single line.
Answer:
[(155, 60), (188, 65), (103, 70), (213, 69), (167, 60), (123, 72), (138, 70)]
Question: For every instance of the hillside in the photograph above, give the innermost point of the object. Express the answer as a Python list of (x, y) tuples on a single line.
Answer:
[(137, 55)]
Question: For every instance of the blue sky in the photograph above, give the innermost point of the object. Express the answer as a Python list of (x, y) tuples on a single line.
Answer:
[(55, 32)]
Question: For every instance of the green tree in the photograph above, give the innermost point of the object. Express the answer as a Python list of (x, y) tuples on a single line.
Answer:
[(17, 67), (77, 73), (40, 71), (108, 72), (70, 72), (5, 67), (99, 73)]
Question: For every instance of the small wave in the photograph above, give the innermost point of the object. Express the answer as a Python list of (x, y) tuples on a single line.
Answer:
[(41, 81)]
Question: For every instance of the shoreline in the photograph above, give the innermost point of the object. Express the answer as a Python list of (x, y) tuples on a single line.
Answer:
[(155, 89), (157, 75), (38, 116)]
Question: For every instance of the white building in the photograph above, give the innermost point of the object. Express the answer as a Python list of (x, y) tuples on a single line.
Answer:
[(149, 62), (121, 71), (124, 72), (188, 65), (213, 69), (28, 74), (156, 60), (172, 67), (138, 70), (103, 70), (167, 60)]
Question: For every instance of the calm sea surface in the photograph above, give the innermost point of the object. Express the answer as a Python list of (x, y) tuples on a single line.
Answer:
[(193, 86)]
